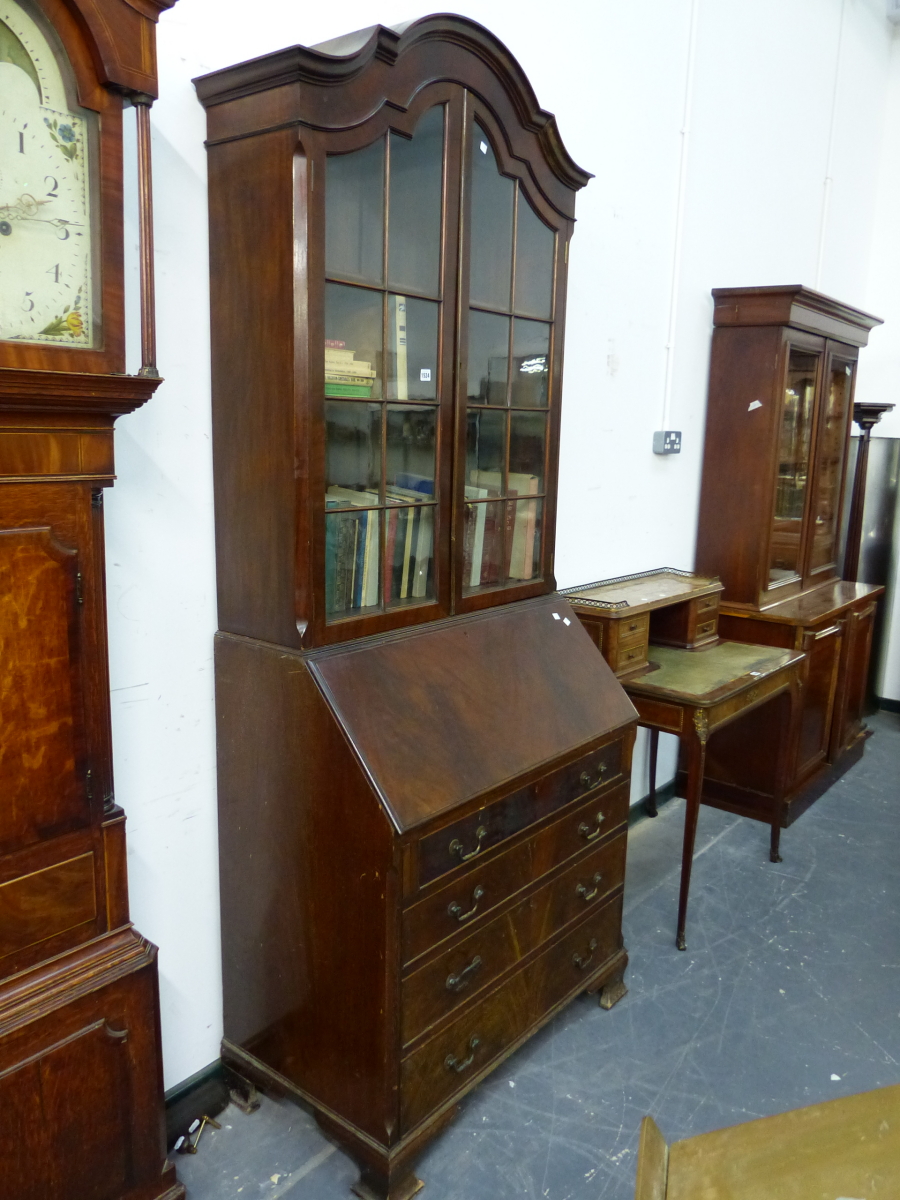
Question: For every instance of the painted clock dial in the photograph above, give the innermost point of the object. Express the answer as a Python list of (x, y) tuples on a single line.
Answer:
[(47, 276)]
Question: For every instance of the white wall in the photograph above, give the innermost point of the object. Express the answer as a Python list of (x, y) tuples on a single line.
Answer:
[(881, 380), (778, 94)]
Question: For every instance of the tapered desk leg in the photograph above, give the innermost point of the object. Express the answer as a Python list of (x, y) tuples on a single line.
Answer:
[(786, 754), (652, 810), (695, 746)]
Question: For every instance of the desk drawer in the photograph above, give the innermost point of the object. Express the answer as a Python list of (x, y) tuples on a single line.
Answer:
[(467, 967), (691, 623), (460, 843), (629, 658), (468, 899), (455, 1057), (632, 631)]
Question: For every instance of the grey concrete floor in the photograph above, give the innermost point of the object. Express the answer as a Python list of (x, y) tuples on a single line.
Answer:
[(788, 994)]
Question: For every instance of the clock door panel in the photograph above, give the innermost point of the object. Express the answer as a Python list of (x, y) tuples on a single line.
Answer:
[(70, 1106), (42, 751)]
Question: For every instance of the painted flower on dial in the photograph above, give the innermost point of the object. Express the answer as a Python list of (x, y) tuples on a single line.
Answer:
[(70, 322), (64, 136)]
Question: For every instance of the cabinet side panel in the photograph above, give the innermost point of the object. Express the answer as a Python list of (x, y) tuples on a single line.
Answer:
[(307, 884), (737, 488), (252, 337)]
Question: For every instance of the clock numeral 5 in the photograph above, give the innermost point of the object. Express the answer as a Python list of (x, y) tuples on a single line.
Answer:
[(27, 303)]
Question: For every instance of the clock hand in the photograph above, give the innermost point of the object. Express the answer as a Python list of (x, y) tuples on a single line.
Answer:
[(25, 207)]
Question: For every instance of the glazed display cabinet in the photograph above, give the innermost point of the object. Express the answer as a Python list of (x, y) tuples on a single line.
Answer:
[(782, 378), (423, 760)]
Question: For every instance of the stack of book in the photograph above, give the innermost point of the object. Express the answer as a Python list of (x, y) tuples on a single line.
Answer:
[(346, 375), (352, 546), (498, 547)]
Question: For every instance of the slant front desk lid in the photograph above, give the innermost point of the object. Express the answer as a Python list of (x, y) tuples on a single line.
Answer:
[(446, 712)]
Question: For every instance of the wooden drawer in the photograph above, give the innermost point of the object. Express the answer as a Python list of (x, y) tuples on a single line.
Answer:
[(691, 623), (468, 900), (458, 844), (469, 966), (632, 631), (459, 1054), (629, 658)]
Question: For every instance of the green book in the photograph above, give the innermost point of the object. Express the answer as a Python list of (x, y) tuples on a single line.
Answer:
[(349, 389)]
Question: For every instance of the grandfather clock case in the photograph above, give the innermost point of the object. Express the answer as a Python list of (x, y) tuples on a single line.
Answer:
[(780, 407), (423, 759), (81, 1112)]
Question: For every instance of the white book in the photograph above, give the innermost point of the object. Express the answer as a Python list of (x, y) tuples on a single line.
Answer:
[(477, 493), (423, 551)]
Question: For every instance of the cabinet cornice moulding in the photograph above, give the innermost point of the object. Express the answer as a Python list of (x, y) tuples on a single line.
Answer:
[(344, 59)]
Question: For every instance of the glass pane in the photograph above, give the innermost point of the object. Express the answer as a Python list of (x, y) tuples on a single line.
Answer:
[(531, 364), (527, 435), (525, 549), (492, 222), (534, 263), (829, 470), (414, 207), (488, 357), (352, 451), (485, 452), (483, 544), (410, 453), (413, 348), (409, 552), (353, 334), (352, 550), (354, 214), (793, 468)]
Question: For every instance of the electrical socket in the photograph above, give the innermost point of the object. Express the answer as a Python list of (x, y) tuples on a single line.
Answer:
[(667, 441)]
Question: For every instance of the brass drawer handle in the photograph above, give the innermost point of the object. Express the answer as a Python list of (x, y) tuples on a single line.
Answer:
[(585, 777), (453, 1064), (582, 961), (586, 895), (589, 834), (456, 846), (455, 910), (456, 983), (633, 626)]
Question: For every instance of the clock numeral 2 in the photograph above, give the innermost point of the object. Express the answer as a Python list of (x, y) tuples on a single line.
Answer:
[(54, 186)]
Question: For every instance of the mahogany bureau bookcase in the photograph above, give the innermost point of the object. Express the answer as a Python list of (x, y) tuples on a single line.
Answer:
[(81, 1103), (423, 761), (782, 376)]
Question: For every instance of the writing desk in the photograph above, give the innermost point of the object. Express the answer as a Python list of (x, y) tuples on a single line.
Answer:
[(693, 693), (844, 1147)]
